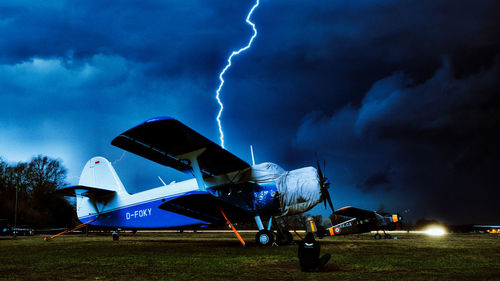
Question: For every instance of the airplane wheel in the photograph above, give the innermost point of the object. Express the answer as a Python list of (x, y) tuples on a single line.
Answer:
[(264, 237), (286, 239), (378, 236), (387, 236)]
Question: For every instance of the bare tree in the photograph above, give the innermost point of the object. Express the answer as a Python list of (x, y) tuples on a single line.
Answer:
[(35, 182)]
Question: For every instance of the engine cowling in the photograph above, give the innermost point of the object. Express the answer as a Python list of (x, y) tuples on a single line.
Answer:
[(299, 190)]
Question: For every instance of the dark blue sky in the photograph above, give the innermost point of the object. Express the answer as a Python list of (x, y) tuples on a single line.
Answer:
[(399, 97)]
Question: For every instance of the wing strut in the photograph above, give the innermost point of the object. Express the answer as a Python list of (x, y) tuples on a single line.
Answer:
[(193, 160), (234, 229)]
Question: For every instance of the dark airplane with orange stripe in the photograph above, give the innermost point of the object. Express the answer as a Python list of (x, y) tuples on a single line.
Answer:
[(350, 220)]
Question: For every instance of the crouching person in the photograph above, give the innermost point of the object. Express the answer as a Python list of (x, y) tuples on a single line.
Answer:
[(309, 250)]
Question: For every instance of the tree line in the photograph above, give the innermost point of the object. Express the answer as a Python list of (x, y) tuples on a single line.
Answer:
[(35, 182)]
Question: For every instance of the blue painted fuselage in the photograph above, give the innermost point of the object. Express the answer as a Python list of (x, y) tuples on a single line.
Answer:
[(145, 215), (144, 212)]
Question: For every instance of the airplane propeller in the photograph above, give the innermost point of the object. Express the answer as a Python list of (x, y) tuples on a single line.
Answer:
[(324, 184)]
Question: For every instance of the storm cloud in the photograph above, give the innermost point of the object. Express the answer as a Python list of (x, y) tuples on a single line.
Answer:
[(399, 98), (439, 137)]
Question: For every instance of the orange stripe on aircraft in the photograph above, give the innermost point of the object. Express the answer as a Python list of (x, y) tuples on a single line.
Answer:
[(395, 218), (312, 226)]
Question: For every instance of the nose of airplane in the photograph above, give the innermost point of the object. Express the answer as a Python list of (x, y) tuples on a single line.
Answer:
[(300, 190)]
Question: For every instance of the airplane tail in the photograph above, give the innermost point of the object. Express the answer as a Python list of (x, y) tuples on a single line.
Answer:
[(99, 173), (99, 176)]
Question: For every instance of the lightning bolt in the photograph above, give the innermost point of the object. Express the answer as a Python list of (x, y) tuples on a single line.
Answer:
[(234, 53)]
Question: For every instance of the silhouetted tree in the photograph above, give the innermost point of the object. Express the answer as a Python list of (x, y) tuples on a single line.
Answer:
[(36, 182)]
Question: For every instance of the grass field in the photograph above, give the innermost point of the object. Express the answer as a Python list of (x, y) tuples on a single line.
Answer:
[(219, 256)]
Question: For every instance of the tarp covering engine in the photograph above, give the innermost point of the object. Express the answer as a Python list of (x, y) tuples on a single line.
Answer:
[(299, 189)]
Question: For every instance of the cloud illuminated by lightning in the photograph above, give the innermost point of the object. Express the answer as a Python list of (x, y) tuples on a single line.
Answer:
[(234, 53)]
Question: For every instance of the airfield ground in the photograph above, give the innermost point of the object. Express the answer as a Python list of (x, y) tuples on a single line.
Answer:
[(219, 256)]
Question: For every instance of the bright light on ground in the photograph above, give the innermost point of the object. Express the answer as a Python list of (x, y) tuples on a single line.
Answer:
[(435, 231)]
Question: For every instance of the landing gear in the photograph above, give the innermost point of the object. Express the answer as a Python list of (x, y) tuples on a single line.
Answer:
[(284, 237), (264, 237), (115, 235), (386, 236)]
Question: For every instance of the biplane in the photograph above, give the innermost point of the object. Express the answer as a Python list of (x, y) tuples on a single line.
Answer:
[(224, 188)]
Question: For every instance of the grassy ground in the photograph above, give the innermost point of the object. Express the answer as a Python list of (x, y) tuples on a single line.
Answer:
[(208, 256)]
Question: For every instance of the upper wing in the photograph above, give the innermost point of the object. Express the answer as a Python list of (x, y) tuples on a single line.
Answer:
[(354, 213), (164, 139)]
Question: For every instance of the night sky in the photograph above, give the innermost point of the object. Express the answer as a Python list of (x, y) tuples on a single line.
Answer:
[(400, 98)]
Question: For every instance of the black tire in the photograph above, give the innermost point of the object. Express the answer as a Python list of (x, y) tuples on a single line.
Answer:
[(378, 236), (387, 236), (285, 239), (264, 238)]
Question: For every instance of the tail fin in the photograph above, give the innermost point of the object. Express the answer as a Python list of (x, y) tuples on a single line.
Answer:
[(99, 173)]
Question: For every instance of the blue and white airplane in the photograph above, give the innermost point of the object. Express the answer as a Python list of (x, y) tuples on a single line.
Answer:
[(224, 188)]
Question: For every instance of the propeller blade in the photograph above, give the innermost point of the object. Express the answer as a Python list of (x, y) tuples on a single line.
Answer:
[(320, 174), (324, 184), (327, 197)]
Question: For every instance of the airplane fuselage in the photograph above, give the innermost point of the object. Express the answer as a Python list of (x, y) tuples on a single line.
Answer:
[(141, 210)]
